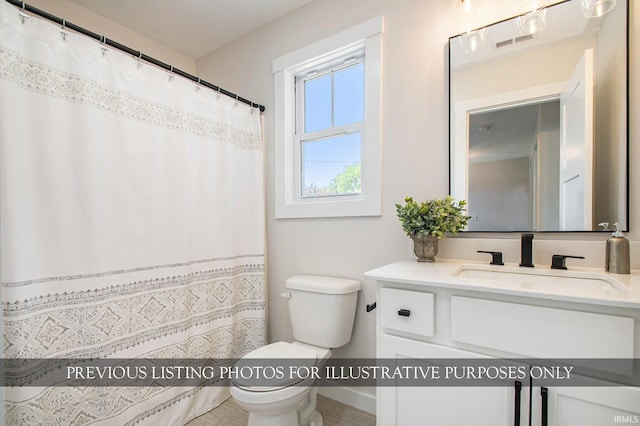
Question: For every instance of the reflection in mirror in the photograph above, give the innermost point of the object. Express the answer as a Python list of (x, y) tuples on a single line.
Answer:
[(539, 123), (501, 145)]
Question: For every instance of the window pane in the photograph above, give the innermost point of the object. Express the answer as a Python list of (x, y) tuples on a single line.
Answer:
[(348, 95), (317, 104), (331, 166)]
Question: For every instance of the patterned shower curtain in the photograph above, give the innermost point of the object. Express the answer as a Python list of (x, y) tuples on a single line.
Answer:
[(131, 223)]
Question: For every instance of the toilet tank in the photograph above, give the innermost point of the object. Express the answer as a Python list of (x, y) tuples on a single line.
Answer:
[(322, 309)]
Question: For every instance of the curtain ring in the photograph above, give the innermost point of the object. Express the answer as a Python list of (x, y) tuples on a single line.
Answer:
[(103, 40), (63, 33), (23, 16)]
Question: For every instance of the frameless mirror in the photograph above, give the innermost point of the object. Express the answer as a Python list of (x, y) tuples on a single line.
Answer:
[(538, 122)]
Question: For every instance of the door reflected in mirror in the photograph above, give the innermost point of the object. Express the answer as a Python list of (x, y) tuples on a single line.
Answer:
[(539, 124)]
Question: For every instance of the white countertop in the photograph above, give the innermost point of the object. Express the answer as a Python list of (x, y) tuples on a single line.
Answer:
[(445, 273)]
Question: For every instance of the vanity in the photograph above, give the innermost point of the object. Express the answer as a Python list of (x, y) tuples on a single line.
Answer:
[(433, 313)]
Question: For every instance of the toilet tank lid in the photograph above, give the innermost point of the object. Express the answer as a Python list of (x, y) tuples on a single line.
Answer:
[(327, 285)]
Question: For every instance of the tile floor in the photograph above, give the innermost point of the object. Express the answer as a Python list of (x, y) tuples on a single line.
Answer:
[(333, 413)]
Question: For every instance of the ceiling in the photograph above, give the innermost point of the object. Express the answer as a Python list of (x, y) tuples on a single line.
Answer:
[(192, 27), (511, 132)]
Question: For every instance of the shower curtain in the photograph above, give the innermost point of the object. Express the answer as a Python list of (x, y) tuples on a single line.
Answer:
[(131, 223)]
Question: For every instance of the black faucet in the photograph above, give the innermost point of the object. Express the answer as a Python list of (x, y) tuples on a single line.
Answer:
[(558, 260), (526, 250), (496, 256)]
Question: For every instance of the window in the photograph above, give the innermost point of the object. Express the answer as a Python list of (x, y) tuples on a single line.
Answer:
[(328, 126), (330, 119)]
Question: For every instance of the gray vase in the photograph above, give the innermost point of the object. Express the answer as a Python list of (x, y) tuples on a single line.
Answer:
[(426, 248)]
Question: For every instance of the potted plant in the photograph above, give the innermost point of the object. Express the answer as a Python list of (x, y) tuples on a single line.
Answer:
[(430, 221)]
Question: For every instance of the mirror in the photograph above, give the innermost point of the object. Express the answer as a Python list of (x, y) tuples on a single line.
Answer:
[(538, 122)]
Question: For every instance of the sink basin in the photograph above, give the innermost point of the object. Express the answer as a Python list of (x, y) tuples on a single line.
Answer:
[(541, 279)]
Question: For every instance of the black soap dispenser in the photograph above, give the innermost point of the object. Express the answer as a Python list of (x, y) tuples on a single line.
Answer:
[(617, 256)]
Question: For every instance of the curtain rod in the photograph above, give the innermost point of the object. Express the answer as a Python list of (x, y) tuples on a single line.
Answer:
[(130, 51)]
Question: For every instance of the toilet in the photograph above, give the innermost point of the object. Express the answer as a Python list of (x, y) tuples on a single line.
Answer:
[(322, 310)]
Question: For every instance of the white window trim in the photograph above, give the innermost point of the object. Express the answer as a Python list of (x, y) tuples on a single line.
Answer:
[(289, 204)]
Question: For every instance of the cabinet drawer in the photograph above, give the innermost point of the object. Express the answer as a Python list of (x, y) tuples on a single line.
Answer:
[(408, 311)]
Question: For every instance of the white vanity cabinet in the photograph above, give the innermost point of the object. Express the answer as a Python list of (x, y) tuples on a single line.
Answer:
[(504, 405), (588, 406), (424, 316)]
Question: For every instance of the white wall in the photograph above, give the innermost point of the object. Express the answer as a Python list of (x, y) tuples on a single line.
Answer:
[(548, 188), (518, 71), (415, 149), (498, 185)]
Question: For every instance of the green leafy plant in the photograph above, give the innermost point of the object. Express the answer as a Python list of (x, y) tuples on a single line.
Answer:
[(347, 182), (434, 217)]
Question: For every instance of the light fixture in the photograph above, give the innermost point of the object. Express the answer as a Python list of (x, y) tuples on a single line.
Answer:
[(597, 8), (468, 16), (472, 40), (534, 18)]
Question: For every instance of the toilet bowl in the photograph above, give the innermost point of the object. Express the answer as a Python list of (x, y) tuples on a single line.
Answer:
[(286, 402), (322, 310)]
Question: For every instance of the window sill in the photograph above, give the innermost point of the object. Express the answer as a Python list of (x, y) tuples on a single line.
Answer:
[(339, 206)]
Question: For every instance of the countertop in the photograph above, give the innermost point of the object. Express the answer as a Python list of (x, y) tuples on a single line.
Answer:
[(623, 290)]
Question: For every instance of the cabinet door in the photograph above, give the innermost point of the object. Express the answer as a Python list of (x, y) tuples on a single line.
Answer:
[(596, 405), (445, 406)]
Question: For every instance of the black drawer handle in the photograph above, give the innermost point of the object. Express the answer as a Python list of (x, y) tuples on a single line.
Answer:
[(545, 405), (516, 408), (404, 312)]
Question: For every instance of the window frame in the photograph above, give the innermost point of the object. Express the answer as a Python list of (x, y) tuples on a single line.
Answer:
[(363, 43)]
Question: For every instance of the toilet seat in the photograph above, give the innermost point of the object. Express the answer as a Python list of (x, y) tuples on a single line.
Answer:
[(283, 354)]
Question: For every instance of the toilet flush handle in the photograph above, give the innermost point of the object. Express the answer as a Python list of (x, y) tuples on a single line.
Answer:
[(286, 295)]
